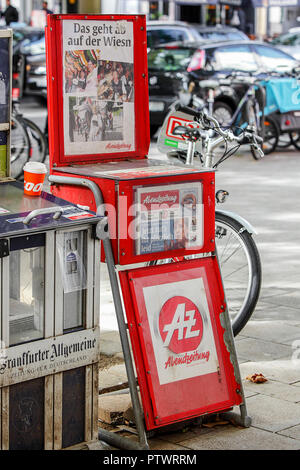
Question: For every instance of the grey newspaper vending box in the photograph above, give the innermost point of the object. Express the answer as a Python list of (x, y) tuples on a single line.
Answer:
[(49, 316)]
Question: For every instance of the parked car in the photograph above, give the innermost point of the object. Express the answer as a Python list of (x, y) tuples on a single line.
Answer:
[(23, 37), (29, 60), (289, 42), (171, 64), (221, 33), (36, 73), (162, 32)]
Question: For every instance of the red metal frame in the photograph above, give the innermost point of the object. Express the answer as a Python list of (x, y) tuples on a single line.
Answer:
[(55, 87), (196, 395)]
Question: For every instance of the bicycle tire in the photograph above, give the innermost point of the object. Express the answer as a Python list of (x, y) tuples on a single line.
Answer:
[(37, 140), (223, 113), (244, 239), (271, 137), (295, 139), (19, 147), (284, 140)]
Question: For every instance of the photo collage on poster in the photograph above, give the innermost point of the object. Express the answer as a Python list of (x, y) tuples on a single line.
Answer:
[(98, 100)]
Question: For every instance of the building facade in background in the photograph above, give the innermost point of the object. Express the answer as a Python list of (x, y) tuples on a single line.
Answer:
[(258, 18)]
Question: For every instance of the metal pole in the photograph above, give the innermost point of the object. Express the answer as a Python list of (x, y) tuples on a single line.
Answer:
[(82, 182), (103, 234)]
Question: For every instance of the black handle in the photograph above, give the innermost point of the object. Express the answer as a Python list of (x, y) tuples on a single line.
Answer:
[(187, 110)]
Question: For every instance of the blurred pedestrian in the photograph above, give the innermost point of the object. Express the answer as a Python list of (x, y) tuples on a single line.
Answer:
[(45, 8), (11, 14)]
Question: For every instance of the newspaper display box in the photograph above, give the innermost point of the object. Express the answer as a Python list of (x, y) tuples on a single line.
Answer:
[(99, 130), (49, 317), (154, 211), (99, 141), (175, 315)]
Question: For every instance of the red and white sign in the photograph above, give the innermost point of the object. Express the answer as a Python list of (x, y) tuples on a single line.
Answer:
[(184, 366), (181, 330), (167, 197), (175, 121)]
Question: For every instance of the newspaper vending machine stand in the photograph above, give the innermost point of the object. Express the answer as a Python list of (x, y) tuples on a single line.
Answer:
[(176, 311)]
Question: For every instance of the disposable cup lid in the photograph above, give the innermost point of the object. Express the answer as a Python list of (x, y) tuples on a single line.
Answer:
[(35, 167)]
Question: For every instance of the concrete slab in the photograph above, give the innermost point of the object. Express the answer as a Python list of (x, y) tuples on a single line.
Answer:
[(270, 292), (272, 330), (273, 389), (110, 343), (287, 300), (185, 434), (158, 444), (273, 414), (271, 311), (285, 371), (293, 432), (231, 438), (111, 408), (256, 350), (112, 377)]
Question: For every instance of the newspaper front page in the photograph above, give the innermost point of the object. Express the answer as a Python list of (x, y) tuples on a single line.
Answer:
[(169, 218), (98, 87)]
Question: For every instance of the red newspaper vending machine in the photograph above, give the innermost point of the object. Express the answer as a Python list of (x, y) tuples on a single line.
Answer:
[(161, 225)]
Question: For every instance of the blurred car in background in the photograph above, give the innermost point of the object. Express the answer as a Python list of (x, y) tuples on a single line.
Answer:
[(172, 64), (220, 33), (36, 73), (29, 61), (162, 32), (289, 42)]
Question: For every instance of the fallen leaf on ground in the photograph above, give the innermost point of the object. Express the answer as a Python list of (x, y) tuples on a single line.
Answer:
[(257, 378)]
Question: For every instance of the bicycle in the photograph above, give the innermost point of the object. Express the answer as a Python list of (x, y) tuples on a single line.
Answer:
[(238, 255), (27, 142), (250, 109)]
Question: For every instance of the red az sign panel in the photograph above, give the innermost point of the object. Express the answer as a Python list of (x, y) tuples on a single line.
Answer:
[(184, 367), (181, 333)]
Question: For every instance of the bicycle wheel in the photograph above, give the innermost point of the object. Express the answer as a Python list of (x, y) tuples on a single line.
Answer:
[(240, 268), (284, 140), (37, 140), (271, 136), (295, 139), (19, 147), (223, 113)]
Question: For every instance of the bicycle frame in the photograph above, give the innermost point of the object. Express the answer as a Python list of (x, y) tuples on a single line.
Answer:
[(249, 93)]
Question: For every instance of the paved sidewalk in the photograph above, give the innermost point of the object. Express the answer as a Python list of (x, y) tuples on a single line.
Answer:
[(267, 193)]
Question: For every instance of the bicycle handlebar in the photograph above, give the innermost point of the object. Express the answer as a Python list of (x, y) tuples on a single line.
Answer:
[(248, 136), (186, 110)]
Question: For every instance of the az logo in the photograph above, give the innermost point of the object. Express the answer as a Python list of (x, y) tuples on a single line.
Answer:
[(180, 325)]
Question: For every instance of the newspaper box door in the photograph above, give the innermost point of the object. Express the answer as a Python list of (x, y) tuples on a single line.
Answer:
[(183, 365), (97, 88)]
